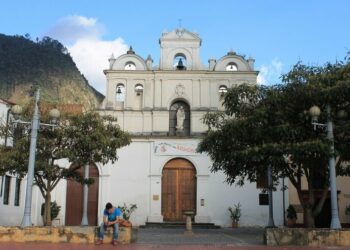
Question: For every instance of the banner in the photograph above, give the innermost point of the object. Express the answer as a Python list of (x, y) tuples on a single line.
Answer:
[(175, 148)]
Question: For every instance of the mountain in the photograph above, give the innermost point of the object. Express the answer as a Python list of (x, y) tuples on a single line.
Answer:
[(45, 63)]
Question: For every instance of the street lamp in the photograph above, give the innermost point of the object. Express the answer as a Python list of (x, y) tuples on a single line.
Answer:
[(85, 219), (271, 223), (17, 110), (315, 113)]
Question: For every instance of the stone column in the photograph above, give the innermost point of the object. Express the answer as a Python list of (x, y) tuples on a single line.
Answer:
[(202, 215), (158, 93), (196, 94), (204, 94), (129, 95), (148, 94), (110, 93), (155, 214)]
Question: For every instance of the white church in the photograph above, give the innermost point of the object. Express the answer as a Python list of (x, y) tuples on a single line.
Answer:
[(161, 106)]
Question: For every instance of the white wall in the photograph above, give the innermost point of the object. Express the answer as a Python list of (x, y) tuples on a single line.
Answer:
[(136, 177), (3, 117), (12, 215), (129, 180), (223, 195)]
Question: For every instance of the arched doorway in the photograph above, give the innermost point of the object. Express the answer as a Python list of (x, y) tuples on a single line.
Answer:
[(178, 189), (74, 199)]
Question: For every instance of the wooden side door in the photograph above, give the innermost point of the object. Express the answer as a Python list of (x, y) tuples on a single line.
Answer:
[(178, 189), (74, 200)]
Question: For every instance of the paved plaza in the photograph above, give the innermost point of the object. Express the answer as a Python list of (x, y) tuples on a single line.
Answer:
[(156, 238), (225, 236)]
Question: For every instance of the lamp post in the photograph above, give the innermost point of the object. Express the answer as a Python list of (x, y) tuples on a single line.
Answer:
[(271, 223), (85, 220), (26, 221), (315, 113)]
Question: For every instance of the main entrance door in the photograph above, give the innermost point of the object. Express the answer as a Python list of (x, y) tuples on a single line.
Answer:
[(178, 189), (74, 200)]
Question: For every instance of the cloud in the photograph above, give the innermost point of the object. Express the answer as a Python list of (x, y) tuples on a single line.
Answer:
[(270, 74), (70, 29), (83, 38), (91, 57)]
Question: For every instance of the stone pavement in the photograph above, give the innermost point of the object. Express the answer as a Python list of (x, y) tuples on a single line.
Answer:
[(154, 238), (224, 236)]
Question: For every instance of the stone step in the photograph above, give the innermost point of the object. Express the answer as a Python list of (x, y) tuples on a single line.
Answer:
[(179, 225)]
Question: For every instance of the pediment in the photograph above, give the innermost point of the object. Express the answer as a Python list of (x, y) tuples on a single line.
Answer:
[(180, 34)]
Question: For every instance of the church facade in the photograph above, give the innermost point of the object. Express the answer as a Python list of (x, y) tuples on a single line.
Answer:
[(161, 106)]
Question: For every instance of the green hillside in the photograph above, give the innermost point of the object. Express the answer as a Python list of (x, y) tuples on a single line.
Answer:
[(46, 63)]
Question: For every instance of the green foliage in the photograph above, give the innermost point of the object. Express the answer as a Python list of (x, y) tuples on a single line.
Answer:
[(84, 139), (93, 138), (55, 209), (291, 213), (270, 125), (47, 63), (127, 210), (235, 212)]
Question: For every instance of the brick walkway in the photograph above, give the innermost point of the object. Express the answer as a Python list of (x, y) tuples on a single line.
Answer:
[(64, 246), (213, 239)]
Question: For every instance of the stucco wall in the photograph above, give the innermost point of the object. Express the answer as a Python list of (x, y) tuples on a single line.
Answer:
[(136, 177), (11, 214)]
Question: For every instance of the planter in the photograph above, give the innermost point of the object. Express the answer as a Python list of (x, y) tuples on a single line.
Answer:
[(234, 224), (125, 223), (291, 222)]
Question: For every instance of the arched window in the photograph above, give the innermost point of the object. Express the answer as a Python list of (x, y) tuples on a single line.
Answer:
[(179, 119), (120, 92), (231, 67), (138, 89), (130, 66), (180, 62), (222, 90)]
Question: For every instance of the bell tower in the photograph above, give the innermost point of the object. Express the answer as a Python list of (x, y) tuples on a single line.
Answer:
[(179, 50)]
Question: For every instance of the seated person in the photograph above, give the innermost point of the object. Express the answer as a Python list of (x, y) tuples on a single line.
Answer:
[(111, 218)]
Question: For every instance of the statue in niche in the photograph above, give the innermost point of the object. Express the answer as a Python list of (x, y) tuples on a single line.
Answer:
[(180, 118)]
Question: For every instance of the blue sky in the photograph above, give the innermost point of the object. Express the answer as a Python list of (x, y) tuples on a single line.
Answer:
[(276, 33)]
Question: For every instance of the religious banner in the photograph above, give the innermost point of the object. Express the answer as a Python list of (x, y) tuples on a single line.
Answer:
[(175, 148)]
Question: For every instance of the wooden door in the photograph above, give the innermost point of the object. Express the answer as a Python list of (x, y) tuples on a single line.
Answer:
[(178, 189), (74, 200)]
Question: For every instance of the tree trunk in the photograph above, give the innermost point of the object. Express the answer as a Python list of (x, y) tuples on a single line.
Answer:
[(47, 211), (309, 219), (308, 216)]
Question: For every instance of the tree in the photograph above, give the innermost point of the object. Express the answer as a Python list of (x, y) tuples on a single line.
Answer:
[(93, 139), (96, 136), (264, 126)]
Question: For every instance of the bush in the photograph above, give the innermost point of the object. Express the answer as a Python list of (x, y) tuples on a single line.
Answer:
[(291, 213), (235, 212), (55, 210), (127, 211)]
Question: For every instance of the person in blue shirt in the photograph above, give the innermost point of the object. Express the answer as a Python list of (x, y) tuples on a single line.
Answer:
[(111, 218)]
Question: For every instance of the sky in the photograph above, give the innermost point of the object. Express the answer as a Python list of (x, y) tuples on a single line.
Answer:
[(276, 33)]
